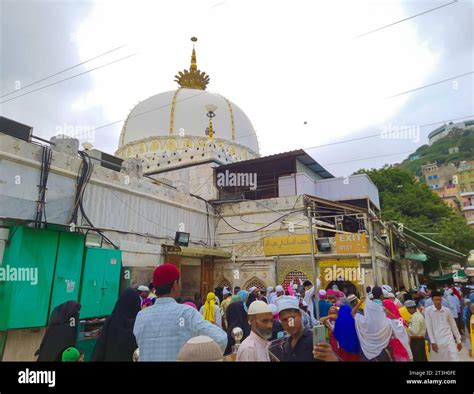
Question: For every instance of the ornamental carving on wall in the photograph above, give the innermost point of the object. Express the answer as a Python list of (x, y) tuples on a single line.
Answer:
[(249, 248)]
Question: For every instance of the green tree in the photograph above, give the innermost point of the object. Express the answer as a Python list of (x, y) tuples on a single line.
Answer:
[(404, 200)]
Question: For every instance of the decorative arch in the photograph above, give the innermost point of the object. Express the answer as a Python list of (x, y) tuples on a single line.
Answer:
[(257, 282), (224, 282), (347, 287)]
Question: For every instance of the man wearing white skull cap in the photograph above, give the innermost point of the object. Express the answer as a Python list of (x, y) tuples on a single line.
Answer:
[(255, 346), (279, 291)]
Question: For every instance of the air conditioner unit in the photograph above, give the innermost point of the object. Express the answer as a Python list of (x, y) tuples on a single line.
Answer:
[(323, 245)]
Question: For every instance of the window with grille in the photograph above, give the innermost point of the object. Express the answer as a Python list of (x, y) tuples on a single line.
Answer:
[(258, 283), (291, 277)]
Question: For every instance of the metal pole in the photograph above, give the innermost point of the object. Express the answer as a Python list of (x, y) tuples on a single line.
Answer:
[(372, 251), (410, 276), (315, 265)]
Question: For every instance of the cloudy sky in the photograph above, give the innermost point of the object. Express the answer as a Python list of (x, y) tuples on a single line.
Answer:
[(298, 69)]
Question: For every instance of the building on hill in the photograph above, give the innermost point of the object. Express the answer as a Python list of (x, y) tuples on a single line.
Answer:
[(450, 196), (445, 129), (454, 185), (437, 177)]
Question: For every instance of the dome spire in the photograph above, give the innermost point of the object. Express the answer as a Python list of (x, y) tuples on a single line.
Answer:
[(194, 78), (193, 66)]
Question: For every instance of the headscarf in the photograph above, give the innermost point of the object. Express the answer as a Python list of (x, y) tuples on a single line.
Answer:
[(60, 334), (251, 298), (209, 310), (345, 330), (373, 329), (235, 298), (335, 292), (191, 304), (404, 313), (243, 294), (390, 305), (116, 341)]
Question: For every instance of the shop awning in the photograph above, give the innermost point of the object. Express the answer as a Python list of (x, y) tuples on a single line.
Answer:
[(195, 251), (416, 256), (431, 247), (460, 274)]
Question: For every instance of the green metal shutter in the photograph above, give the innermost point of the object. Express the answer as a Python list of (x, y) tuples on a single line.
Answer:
[(25, 304)]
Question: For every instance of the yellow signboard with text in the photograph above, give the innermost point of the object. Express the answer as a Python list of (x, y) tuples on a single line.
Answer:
[(287, 245), (351, 243)]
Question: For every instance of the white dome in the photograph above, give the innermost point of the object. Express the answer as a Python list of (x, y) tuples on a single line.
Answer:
[(154, 117)]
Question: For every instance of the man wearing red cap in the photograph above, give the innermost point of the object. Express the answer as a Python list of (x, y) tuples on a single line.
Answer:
[(162, 329)]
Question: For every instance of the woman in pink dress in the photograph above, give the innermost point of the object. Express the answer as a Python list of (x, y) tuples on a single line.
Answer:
[(398, 350)]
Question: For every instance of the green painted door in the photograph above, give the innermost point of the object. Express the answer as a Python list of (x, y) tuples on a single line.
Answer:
[(92, 282), (100, 281), (67, 276), (25, 298), (110, 290)]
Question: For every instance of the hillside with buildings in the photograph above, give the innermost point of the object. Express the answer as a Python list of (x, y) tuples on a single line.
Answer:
[(454, 145), (446, 166)]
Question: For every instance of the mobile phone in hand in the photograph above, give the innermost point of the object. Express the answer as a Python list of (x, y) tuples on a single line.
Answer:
[(319, 334)]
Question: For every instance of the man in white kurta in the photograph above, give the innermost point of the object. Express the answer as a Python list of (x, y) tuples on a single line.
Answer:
[(255, 346), (442, 330), (309, 298)]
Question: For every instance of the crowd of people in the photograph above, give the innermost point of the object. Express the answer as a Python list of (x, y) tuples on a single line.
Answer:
[(285, 323)]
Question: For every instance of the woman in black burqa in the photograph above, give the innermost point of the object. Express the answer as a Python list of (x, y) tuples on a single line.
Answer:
[(236, 317), (61, 332), (116, 341)]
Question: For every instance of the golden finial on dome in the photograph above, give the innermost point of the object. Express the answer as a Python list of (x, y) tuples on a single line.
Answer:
[(194, 78)]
